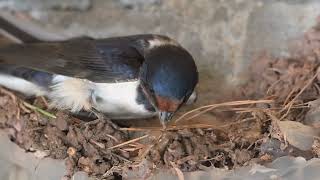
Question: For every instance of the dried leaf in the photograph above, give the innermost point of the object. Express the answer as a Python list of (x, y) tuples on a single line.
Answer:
[(298, 135)]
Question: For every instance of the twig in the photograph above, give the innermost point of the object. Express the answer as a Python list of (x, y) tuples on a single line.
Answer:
[(289, 105), (241, 110), (112, 170), (12, 96), (254, 143), (213, 106), (100, 145), (131, 149), (94, 122), (272, 117), (188, 126), (317, 87), (210, 159), (39, 110), (289, 95), (272, 85), (147, 150), (112, 137), (44, 101), (191, 126), (24, 108), (170, 128), (306, 86), (128, 142)]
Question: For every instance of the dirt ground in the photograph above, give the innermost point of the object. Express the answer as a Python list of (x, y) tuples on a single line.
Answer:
[(102, 150), (254, 129)]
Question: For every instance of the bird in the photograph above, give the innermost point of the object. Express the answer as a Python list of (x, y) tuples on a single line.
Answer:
[(124, 77)]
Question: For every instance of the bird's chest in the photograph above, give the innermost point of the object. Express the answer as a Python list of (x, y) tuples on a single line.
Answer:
[(120, 100), (116, 100)]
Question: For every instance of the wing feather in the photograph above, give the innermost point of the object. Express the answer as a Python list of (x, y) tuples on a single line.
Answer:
[(106, 60)]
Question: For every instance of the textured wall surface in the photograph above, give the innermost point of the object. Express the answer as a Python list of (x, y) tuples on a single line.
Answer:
[(222, 35)]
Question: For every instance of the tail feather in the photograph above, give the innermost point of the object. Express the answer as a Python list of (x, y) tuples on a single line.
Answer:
[(37, 77), (23, 86), (24, 80)]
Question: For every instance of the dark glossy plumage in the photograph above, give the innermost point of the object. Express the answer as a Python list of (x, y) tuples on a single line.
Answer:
[(167, 68), (106, 60), (40, 78)]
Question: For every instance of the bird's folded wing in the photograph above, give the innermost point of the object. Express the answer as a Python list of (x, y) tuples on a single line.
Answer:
[(97, 61)]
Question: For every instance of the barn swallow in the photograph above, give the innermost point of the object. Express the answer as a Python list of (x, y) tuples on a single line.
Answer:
[(126, 77)]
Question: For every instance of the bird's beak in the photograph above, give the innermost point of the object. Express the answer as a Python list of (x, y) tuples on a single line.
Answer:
[(165, 117)]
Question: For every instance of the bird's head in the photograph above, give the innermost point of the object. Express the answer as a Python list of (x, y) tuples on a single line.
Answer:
[(168, 77)]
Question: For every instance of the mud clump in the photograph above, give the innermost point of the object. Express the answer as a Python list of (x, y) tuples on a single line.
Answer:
[(195, 149), (91, 146), (83, 145)]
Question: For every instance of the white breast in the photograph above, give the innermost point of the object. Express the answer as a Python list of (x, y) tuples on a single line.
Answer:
[(117, 100)]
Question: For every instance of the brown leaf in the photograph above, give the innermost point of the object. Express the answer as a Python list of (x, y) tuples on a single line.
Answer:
[(298, 135)]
